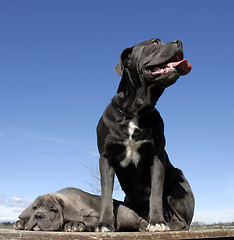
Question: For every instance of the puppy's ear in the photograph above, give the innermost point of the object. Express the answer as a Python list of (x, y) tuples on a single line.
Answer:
[(123, 60), (26, 214), (71, 213)]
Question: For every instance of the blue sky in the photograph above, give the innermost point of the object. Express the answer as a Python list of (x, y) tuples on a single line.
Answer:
[(56, 78)]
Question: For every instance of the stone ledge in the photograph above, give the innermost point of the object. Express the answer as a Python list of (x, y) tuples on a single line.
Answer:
[(8, 234)]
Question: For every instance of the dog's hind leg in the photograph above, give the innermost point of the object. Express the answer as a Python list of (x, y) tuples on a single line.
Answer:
[(181, 204)]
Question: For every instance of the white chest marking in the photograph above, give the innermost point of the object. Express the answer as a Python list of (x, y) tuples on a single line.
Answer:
[(132, 146)]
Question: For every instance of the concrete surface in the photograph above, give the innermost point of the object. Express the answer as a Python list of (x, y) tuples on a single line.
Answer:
[(9, 234)]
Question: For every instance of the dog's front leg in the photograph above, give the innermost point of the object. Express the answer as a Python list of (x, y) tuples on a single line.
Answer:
[(157, 222), (106, 222)]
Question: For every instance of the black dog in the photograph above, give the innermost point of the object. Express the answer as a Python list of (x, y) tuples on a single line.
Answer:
[(131, 140)]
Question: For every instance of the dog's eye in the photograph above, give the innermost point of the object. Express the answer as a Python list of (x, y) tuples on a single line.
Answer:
[(53, 210), (34, 208), (155, 41)]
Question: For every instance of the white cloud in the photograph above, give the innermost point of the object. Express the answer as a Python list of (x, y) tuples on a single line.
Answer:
[(10, 208), (214, 216), (2, 199), (94, 154), (47, 138), (16, 137), (18, 202), (7, 213)]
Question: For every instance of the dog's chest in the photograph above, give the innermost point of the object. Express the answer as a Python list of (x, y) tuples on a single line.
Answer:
[(132, 145)]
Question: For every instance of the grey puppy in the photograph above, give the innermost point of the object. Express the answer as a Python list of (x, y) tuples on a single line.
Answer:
[(74, 210)]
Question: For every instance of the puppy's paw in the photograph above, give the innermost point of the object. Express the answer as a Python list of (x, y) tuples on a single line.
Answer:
[(104, 228), (143, 226), (74, 227), (158, 227), (20, 225)]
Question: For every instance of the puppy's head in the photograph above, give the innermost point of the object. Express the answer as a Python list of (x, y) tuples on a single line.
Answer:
[(154, 63), (45, 213), (50, 212)]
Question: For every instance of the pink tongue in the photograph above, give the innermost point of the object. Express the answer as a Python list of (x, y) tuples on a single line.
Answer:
[(183, 66)]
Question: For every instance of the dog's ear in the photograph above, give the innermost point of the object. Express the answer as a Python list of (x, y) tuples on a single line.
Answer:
[(26, 214), (123, 60), (71, 213), (119, 69)]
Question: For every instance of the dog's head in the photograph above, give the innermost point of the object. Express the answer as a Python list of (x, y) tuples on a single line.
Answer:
[(154, 63), (50, 212)]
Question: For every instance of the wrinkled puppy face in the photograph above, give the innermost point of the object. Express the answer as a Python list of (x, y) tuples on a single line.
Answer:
[(46, 214), (155, 62)]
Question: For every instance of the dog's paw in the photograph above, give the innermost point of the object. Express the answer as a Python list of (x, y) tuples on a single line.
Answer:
[(104, 228), (74, 227), (158, 227), (143, 226), (20, 225)]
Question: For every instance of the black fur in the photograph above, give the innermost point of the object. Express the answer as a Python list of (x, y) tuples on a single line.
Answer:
[(154, 188)]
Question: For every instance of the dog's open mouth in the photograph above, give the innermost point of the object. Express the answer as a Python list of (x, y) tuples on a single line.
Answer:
[(177, 62)]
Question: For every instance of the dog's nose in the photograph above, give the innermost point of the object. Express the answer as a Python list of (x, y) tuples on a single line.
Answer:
[(178, 43), (39, 216)]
